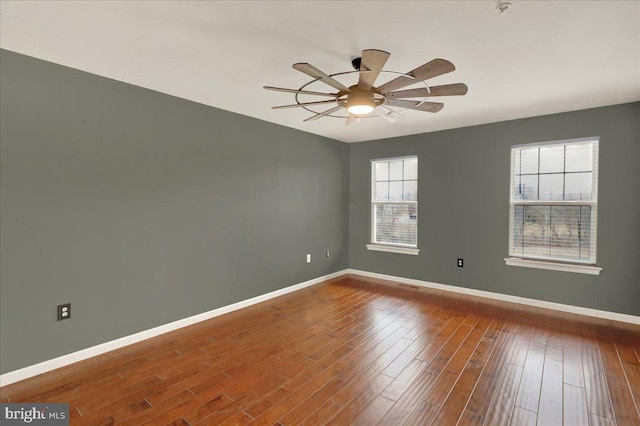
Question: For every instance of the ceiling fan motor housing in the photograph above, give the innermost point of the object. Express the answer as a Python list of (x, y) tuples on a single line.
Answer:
[(358, 97)]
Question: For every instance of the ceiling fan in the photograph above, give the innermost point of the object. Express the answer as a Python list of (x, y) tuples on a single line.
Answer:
[(366, 100)]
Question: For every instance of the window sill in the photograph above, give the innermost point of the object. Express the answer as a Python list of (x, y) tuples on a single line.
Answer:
[(565, 267), (393, 249)]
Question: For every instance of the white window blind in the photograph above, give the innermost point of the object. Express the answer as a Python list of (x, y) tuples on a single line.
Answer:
[(554, 201), (394, 201)]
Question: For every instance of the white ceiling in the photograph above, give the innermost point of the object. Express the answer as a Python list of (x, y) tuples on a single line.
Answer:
[(542, 57)]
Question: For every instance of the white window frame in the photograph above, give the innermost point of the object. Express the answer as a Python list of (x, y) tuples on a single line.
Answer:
[(387, 246), (547, 262)]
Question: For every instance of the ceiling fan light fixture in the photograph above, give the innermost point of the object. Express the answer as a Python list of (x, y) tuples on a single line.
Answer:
[(360, 102), (360, 109)]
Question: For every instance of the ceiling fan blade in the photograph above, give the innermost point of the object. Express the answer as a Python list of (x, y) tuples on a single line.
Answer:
[(304, 104), (456, 89), (388, 114), (425, 106), (444, 90), (423, 72), (372, 61), (314, 72), (302, 92), (352, 119), (322, 114)]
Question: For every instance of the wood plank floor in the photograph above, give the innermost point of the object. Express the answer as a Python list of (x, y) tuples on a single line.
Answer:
[(361, 351)]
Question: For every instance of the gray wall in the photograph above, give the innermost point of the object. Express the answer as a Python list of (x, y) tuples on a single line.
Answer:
[(464, 207), (140, 208)]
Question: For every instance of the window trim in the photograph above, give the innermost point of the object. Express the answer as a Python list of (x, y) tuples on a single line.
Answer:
[(392, 248), (588, 267), (554, 266), (383, 246)]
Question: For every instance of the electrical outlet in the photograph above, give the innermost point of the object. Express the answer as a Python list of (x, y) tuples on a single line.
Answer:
[(328, 253), (308, 258), (64, 311), (460, 263)]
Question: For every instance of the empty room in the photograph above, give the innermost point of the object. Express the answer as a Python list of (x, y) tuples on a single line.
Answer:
[(320, 212)]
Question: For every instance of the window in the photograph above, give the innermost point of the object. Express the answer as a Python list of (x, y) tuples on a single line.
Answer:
[(394, 205), (554, 204)]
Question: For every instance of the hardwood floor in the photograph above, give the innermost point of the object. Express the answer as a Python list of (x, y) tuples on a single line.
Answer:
[(361, 351)]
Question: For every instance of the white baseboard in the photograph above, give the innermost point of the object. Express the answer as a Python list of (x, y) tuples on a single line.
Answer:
[(61, 361), (505, 297)]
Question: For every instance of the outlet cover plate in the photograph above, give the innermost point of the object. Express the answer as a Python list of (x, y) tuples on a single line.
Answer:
[(64, 311)]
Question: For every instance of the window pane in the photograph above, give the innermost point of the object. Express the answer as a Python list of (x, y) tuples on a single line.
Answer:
[(555, 232), (410, 190), (587, 252), (396, 223), (526, 188), (395, 191), (529, 160), (382, 191), (579, 158), (536, 238), (395, 170), (564, 227), (552, 159), (517, 234), (578, 186), (411, 169), (382, 171), (570, 227), (515, 162), (551, 187)]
